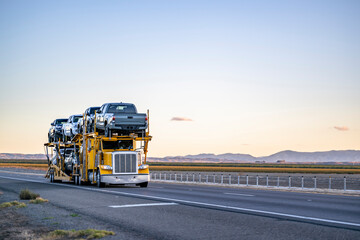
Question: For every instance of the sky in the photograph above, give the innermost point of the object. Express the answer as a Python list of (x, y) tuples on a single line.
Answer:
[(253, 77)]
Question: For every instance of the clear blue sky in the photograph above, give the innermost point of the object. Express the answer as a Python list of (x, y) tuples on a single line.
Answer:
[(254, 77)]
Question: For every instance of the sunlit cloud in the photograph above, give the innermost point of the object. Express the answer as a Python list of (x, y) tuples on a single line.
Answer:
[(341, 128), (180, 119)]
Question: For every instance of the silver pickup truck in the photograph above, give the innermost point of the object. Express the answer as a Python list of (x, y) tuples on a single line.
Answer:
[(70, 127), (121, 118)]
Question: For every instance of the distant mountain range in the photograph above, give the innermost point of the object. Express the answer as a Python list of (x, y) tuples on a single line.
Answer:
[(288, 156)]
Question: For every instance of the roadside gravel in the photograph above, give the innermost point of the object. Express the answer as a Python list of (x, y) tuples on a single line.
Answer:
[(35, 221)]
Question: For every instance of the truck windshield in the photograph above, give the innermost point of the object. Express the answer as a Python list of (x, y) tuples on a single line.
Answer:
[(121, 144), (121, 109)]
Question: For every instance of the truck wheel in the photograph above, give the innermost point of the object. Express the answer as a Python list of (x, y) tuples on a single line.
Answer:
[(78, 180), (106, 131), (143, 185), (98, 180)]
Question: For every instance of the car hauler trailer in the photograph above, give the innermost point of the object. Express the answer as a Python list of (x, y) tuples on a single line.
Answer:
[(94, 158)]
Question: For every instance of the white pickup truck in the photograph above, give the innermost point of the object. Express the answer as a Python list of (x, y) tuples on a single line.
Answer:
[(70, 128)]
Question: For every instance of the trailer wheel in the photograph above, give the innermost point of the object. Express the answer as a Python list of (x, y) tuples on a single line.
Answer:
[(143, 185), (106, 131), (98, 180)]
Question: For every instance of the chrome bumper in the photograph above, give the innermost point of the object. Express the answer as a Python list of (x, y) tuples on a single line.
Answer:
[(125, 179)]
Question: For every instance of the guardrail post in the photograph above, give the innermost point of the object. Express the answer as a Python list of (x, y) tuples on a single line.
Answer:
[(199, 178), (207, 178), (289, 181), (175, 177), (278, 181), (180, 177), (160, 176), (257, 180), (247, 180), (344, 183), (329, 183), (165, 176), (229, 179), (267, 180), (193, 177), (238, 180), (222, 179), (214, 178), (187, 177), (315, 182)]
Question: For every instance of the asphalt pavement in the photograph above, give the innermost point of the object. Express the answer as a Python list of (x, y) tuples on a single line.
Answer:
[(174, 211)]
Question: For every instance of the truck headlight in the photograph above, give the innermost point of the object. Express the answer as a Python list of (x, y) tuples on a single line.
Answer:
[(106, 167), (143, 166)]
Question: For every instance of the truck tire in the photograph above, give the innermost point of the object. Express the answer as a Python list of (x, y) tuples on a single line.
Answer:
[(98, 180), (143, 185), (107, 131)]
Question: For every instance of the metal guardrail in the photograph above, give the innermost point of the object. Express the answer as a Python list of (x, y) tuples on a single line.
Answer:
[(303, 182)]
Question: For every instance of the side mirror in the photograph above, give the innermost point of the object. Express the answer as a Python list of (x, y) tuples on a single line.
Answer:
[(52, 124)]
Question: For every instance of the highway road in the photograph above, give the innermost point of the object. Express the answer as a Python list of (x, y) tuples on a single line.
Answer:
[(172, 211)]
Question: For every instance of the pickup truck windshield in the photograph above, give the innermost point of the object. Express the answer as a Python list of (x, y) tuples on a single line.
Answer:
[(60, 121), (76, 118), (92, 110), (121, 109)]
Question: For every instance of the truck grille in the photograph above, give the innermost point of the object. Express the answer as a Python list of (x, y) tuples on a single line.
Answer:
[(125, 163)]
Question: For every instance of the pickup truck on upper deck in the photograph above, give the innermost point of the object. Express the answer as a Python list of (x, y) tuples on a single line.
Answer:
[(121, 118), (70, 127)]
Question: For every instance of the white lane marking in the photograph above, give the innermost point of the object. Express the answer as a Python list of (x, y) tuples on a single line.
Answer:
[(142, 205), (38, 174), (195, 203), (240, 194)]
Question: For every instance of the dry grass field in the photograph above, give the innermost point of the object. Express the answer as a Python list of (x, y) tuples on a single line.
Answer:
[(25, 165)]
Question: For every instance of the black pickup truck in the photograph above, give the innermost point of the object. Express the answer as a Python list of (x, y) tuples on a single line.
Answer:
[(121, 118)]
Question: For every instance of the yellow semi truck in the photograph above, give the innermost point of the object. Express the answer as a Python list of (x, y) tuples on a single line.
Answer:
[(96, 159)]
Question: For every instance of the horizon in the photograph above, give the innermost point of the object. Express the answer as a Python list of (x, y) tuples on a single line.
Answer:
[(219, 153), (217, 76)]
